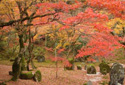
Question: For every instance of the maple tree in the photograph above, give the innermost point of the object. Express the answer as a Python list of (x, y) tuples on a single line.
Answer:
[(101, 41)]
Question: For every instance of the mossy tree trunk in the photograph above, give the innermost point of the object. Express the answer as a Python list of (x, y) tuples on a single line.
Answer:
[(30, 46), (30, 49), (16, 68)]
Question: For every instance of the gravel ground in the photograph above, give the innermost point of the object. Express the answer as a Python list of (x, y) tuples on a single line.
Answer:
[(76, 77)]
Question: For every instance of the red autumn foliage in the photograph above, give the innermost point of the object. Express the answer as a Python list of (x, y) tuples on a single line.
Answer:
[(116, 7), (49, 49), (91, 60), (66, 63), (100, 40), (60, 50), (57, 58)]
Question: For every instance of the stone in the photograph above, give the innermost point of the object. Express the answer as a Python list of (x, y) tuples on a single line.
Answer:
[(89, 83), (40, 58), (116, 74), (96, 58), (104, 68), (79, 67), (91, 70), (85, 67), (37, 76), (10, 73)]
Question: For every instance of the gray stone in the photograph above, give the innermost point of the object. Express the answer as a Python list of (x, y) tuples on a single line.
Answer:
[(96, 58), (40, 58), (89, 83), (116, 74), (85, 67)]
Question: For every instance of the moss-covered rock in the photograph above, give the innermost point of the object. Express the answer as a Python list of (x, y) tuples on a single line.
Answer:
[(104, 68), (16, 68), (91, 70), (37, 76), (71, 61), (26, 75), (79, 67), (116, 74)]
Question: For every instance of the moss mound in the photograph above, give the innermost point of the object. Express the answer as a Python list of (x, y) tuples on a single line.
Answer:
[(79, 67), (37, 76), (26, 75), (91, 70), (104, 68)]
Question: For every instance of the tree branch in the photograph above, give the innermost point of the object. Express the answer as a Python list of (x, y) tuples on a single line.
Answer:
[(2, 24)]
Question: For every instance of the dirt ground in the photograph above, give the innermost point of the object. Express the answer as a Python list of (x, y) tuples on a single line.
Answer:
[(76, 77)]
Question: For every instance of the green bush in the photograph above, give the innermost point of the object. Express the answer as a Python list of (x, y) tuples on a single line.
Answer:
[(104, 68)]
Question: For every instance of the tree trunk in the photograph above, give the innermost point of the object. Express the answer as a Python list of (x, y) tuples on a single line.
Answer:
[(16, 67), (29, 49)]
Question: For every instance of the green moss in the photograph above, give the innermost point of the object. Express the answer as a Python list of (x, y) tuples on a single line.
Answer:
[(26, 75), (71, 60), (91, 70), (16, 69), (23, 64), (37, 76), (79, 67), (85, 84), (104, 68)]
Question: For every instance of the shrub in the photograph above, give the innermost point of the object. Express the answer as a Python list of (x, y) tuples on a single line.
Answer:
[(104, 68)]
